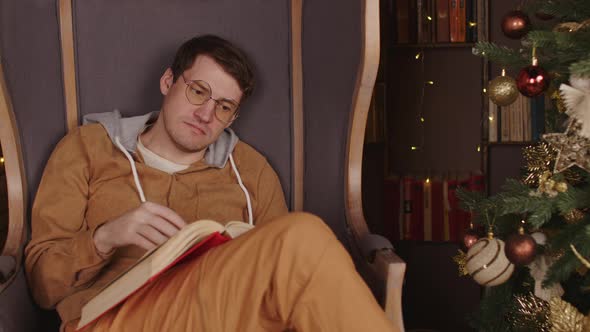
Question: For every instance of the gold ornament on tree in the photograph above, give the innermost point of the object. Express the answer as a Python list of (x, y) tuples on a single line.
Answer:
[(549, 186), (486, 262), (531, 313), (565, 317), (460, 260), (572, 149), (502, 90), (571, 26), (573, 216), (538, 160)]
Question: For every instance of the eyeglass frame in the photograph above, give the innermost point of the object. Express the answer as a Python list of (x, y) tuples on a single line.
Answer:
[(217, 101)]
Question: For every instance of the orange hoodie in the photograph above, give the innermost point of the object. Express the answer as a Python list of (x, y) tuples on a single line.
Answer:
[(88, 181)]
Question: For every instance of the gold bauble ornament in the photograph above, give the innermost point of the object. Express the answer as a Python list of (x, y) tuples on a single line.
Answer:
[(573, 216), (565, 317), (502, 90), (487, 263)]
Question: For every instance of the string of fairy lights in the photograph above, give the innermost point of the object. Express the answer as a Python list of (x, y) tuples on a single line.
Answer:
[(420, 118)]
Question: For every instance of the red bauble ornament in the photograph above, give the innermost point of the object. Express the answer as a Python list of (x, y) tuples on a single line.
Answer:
[(469, 238), (532, 81), (516, 24), (520, 248)]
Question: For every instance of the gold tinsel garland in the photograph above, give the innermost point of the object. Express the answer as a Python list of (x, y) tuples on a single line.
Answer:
[(531, 312), (565, 317), (461, 260), (538, 158)]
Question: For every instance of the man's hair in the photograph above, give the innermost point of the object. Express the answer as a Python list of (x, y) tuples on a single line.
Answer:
[(232, 59)]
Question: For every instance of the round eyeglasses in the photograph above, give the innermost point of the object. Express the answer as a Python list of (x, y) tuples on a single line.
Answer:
[(199, 92)]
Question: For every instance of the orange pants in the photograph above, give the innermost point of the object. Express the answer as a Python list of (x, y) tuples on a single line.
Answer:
[(291, 273)]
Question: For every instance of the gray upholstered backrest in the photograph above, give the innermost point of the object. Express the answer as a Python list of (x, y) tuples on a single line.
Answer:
[(29, 47), (123, 47)]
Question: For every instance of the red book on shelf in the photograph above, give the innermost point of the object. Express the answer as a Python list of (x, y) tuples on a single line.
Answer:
[(454, 20), (402, 13), (462, 25), (455, 216), (442, 21), (393, 208), (408, 207), (436, 191), (417, 227)]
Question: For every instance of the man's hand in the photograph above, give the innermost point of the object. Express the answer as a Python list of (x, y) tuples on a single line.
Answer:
[(146, 226)]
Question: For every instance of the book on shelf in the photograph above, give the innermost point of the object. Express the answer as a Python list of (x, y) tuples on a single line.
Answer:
[(189, 243), (393, 207), (471, 20), (417, 221), (436, 191), (462, 21), (443, 34), (537, 117), (492, 122), (427, 208), (504, 123), (402, 15)]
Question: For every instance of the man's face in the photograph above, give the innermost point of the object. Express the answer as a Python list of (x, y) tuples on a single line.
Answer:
[(191, 128)]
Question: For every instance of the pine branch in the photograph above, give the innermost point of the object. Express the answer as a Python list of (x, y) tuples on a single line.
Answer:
[(581, 68), (500, 54), (567, 10)]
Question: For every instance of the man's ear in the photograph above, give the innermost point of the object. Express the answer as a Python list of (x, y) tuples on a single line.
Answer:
[(166, 81), (232, 120)]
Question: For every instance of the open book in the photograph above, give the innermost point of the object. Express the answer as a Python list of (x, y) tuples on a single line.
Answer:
[(191, 241)]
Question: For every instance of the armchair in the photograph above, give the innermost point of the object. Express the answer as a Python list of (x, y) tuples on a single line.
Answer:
[(73, 58)]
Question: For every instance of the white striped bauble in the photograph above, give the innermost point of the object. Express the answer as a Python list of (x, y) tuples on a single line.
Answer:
[(486, 262)]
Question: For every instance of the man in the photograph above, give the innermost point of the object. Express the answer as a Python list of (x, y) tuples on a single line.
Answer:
[(116, 187)]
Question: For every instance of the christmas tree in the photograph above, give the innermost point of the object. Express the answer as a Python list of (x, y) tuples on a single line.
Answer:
[(534, 254)]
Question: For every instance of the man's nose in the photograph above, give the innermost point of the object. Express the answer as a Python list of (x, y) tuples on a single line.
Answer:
[(206, 112)]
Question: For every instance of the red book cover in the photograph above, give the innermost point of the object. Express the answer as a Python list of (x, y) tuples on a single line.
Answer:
[(417, 228), (443, 34), (454, 20), (455, 217), (408, 208), (462, 25), (464, 217), (402, 12), (393, 206), (195, 251), (436, 190)]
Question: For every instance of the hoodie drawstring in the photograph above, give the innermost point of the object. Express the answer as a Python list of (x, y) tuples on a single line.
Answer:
[(133, 169), (140, 189), (233, 166)]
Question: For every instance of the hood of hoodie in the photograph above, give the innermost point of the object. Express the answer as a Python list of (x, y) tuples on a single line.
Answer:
[(128, 129)]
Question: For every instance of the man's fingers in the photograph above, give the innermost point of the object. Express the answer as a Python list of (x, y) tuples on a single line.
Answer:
[(142, 242), (165, 213), (152, 234)]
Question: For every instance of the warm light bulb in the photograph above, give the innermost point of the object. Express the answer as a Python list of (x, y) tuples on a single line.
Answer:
[(1, 160), (478, 148), (485, 90), (430, 82), (417, 56), (429, 18), (472, 24), (427, 180), (421, 119), (414, 148), (491, 117)]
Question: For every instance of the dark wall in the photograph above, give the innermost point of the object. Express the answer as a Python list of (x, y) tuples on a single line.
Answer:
[(331, 54)]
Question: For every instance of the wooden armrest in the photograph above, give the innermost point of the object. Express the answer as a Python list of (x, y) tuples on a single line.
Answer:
[(391, 269)]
